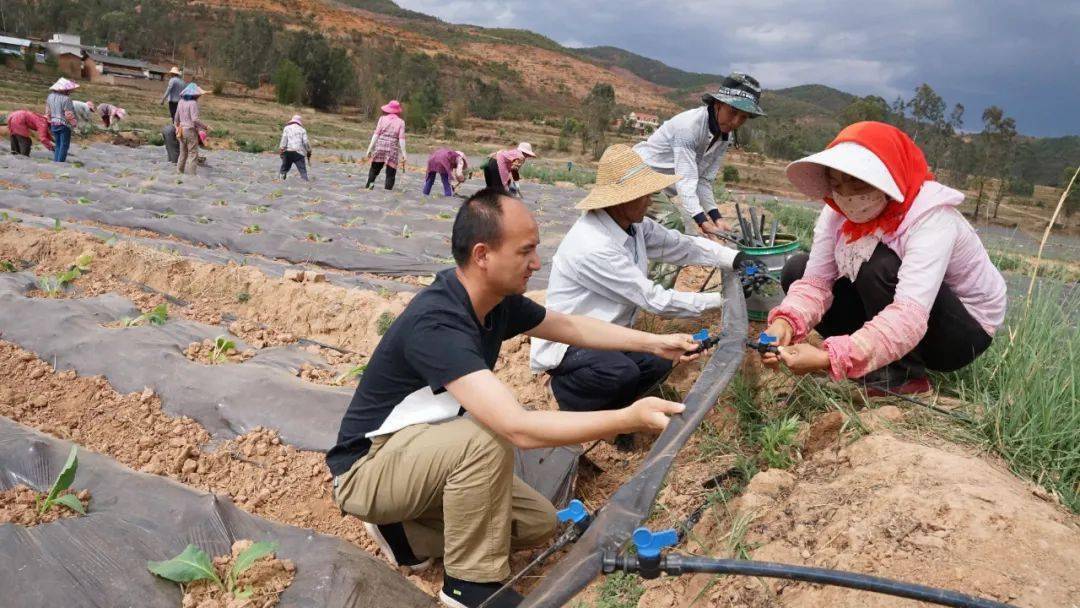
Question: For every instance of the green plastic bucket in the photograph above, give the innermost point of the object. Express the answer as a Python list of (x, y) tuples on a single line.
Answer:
[(770, 295)]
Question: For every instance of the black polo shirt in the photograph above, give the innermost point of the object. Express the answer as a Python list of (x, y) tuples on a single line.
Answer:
[(436, 340)]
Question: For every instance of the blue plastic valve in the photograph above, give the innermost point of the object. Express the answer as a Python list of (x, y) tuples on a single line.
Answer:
[(765, 338), (701, 335), (574, 512), (751, 271), (649, 543)]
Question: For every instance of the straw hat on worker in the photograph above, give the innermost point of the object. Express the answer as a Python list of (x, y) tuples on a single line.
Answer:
[(601, 270), (622, 177)]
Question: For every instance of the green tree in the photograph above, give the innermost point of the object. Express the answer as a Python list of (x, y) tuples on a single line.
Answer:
[(248, 50), (288, 83), (328, 72), (29, 60), (596, 114), (865, 108), (999, 133), (1072, 202)]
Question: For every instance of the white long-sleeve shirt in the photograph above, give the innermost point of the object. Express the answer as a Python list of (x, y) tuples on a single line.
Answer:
[(601, 271), (681, 147)]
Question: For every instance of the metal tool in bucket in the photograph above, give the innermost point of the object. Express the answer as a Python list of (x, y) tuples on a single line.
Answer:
[(772, 249)]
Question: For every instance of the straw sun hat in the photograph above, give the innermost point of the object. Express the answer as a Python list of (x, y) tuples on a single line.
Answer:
[(622, 177)]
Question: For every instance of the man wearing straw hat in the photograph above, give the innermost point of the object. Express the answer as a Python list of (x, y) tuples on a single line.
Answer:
[(600, 271), (691, 146)]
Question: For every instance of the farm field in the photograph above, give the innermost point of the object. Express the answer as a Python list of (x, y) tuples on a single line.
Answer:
[(198, 338)]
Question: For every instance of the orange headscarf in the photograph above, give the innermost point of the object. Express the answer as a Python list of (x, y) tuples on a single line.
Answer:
[(906, 164)]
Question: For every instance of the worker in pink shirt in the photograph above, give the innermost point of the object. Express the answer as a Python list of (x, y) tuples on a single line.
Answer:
[(501, 169), (897, 280), (20, 124)]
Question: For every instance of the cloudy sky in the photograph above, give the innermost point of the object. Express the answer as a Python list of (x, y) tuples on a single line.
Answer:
[(1022, 56)]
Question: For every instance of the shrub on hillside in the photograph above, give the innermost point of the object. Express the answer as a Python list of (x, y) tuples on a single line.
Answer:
[(731, 175), (288, 83)]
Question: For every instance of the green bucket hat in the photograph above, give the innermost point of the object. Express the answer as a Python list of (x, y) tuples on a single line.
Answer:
[(740, 91)]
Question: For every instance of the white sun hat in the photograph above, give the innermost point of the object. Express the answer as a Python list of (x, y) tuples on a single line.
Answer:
[(526, 149), (810, 175), (63, 85)]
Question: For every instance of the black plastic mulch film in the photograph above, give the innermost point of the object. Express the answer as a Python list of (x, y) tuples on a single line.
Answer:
[(99, 560), (631, 503)]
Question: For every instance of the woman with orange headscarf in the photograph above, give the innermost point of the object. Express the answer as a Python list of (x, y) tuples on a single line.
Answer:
[(897, 281)]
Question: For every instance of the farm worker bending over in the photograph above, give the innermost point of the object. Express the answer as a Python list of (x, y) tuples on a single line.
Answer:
[(501, 169), (599, 271), (60, 112), (84, 111), (173, 90), (188, 126), (294, 147), (445, 162), (431, 482), (387, 145), (897, 280), (692, 145), (20, 123), (110, 114)]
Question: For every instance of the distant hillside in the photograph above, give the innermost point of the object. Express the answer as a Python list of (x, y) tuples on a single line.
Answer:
[(828, 99), (387, 7), (644, 67)]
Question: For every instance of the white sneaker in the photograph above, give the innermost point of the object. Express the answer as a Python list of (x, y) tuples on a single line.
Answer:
[(384, 546)]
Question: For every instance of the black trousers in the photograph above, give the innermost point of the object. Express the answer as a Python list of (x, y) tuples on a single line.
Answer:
[(492, 180), (290, 158), (20, 145), (172, 109), (376, 168), (590, 380), (953, 337)]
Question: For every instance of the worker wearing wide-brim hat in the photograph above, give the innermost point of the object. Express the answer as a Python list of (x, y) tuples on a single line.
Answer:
[(600, 271), (691, 145), (387, 146), (173, 90), (897, 281), (60, 112), (188, 127), (501, 168)]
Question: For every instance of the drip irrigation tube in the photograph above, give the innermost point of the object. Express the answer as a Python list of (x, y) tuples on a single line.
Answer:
[(679, 564), (631, 503)]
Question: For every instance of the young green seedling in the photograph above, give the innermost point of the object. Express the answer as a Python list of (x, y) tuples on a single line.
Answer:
[(355, 372), (9, 218), (193, 564), (82, 263), (222, 347), (56, 225), (7, 266), (260, 208), (165, 214), (252, 229), (82, 200), (63, 482), (52, 285), (157, 316)]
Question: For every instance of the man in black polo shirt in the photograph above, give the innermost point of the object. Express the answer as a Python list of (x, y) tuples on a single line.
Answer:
[(428, 482)]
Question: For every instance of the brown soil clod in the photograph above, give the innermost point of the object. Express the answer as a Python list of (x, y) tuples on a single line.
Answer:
[(267, 579), (20, 505)]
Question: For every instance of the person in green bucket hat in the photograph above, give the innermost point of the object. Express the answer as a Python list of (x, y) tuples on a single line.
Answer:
[(692, 145)]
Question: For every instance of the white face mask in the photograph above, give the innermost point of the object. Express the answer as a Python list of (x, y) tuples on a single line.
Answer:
[(861, 208)]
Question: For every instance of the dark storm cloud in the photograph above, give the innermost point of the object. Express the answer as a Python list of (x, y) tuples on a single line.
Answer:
[(1022, 56)]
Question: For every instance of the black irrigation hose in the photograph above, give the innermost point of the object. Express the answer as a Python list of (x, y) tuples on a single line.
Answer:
[(680, 564), (837, 578)]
